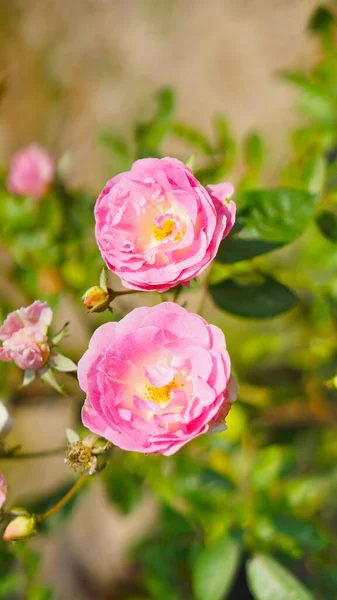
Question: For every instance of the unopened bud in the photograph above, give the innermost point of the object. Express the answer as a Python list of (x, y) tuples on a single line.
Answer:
[(20, 528), (96, 299)]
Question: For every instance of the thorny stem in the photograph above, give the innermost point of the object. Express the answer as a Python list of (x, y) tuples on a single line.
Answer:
[(68, 496), (31, 455)]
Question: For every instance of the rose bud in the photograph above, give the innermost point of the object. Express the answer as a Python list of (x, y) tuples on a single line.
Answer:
[(24, 336), (31, 172), (96, 299), (20, 528)]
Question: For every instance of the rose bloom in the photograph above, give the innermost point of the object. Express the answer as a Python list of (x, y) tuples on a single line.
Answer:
[(156, 380), (24, 336), (3, 489), (157, 226), (31, 172)]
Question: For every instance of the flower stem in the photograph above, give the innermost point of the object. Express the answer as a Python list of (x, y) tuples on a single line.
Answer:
[(126, 292), (68, 496), (31, 455), (176, 293)]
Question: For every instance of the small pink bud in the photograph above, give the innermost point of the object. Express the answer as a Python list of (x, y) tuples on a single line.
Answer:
[(20, 528), (31, 172)]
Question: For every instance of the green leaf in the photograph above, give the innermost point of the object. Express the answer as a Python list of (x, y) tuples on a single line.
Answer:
[(272, 464), (277, 215), (191, 162), (314, 101), (58, 337), (314, 171), (268, 580), (40, 593), (193, 137), (254, 151), (123, 489), (150, 135), (327, 224), (232, 249), (322, 20), (307, 536), (10, 585), (28, 377), (215, 569), (119, 149), (103, 279), (62, 363), (226, 143), (47, 376), (256, 299)]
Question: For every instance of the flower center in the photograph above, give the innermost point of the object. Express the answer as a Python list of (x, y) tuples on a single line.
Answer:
[(160, 395), (166, 228)]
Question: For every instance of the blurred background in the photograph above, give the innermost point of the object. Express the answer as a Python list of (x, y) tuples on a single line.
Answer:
[(76, 68), (76, 76)]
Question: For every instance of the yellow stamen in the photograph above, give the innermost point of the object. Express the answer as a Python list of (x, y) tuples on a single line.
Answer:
[(167, 227), (160, 395)]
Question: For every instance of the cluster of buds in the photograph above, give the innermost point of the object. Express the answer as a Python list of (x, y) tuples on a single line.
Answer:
[(25, 341), (85, 455)]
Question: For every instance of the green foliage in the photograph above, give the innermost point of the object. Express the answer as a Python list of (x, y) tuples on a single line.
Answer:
[(255, 297), (327, 223), (215, 569), (268, 580), (278, 216), (254, 151), (322, 20), (122, 488)]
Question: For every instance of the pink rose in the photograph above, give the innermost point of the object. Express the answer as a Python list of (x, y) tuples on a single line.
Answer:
[(31, 171), (24, 336), (155, 380), (157, 226), (3, 489), (220, 194)]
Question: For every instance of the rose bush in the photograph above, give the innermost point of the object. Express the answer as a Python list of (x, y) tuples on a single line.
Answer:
[(31, 172), (155, 380), (157, 226)]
